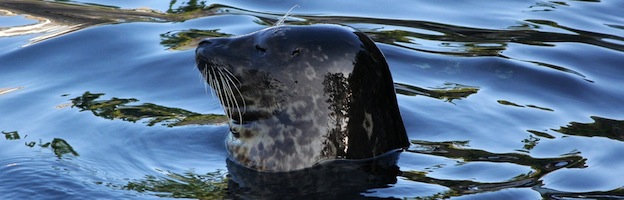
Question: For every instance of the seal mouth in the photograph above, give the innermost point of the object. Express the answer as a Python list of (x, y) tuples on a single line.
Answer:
[(248, 116), (225, 85)]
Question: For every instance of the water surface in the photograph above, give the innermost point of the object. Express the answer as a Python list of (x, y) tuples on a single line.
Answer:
[(513, 99)]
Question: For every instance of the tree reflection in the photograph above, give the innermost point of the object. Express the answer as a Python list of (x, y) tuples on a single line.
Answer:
[(509, 103), (212, 185), (341, 179), (448, 92), (601, 127), (191, 6), (118, 108), (11, 135), (542, 166), (59, 146), (188, 39)]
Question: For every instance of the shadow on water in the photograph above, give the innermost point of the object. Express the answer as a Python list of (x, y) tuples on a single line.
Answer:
[(341, 179)]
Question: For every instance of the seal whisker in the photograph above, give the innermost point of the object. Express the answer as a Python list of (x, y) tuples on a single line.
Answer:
[(233, 78), (207, 79), (231, 75), (218, 90), (211, 80), (230, 83), (231, 99), (224, 93), (281, 20), (227, 94)]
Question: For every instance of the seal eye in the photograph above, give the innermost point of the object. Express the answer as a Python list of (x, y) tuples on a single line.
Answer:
[(260, 49), (295, 52), (203, 42)]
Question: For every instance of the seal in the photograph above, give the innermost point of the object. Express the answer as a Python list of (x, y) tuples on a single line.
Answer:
[(301, 95)]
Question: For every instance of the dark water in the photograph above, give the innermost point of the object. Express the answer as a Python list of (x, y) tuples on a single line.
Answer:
[(501, 99)]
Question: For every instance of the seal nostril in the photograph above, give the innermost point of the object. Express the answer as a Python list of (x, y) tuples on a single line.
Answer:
[(259, 48)]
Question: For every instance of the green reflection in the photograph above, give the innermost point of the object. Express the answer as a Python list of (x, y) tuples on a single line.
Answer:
[(542, 166), (212, 185), (452, 40), (509, 103), (11, 135), (601, 127), (530, 142), (187, 39), (118, 108), (448, 92), (541, 134), (191, 6), (61, 17), (59, 146)]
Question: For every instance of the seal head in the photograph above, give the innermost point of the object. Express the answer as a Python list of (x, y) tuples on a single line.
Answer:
[(300, 95)]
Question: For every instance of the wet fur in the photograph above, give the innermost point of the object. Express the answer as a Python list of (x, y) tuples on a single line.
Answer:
[(300, 95)]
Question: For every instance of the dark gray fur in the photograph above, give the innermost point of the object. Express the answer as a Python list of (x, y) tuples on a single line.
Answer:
[(306, 94)]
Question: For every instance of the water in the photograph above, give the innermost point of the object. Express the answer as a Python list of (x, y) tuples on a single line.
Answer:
[(513, 99)]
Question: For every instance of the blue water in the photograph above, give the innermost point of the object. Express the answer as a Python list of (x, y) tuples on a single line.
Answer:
[(501, 99)]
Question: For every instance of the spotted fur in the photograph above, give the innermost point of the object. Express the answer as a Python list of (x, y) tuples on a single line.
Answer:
[(300, 95)]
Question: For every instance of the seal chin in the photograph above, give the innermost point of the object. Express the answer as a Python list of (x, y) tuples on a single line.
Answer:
[(299, 95)]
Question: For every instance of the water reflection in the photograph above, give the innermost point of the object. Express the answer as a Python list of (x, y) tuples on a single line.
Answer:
[(509, 103), (453, 149), (448, 40), (601, 127), (340, 179), (447, 92), (182, 40), (187, 185), (118, 108), (191, 6), (58, 18), (11, 135), (7, 90), (59, 146)]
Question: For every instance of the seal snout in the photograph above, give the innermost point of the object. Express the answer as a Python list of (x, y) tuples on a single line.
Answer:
[(208, 49), (210, 44)]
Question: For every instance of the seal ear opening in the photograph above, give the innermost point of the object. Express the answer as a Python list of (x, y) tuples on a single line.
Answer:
[(204, 42), (295, 52)]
